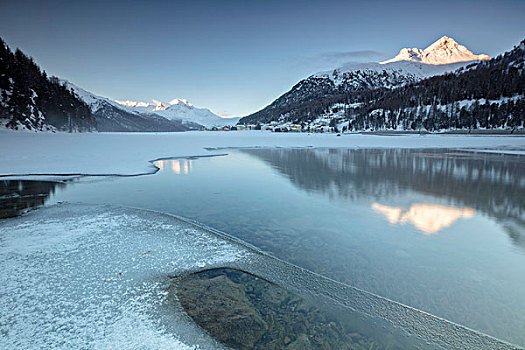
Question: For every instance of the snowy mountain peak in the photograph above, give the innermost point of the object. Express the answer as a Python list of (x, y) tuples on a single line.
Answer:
[(129, 103), (177, 101), (155, 104), (178, 108), (159, 105), (443, 51), (445, 43)]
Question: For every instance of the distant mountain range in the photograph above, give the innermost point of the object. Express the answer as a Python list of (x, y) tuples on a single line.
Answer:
[(356, 97), (178, 115), (179, 109)]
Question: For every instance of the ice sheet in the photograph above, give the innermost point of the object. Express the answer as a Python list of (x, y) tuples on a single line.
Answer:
[(129, 154), (80, 276)]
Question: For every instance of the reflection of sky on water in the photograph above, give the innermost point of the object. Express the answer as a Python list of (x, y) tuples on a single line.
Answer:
[(426, 217)]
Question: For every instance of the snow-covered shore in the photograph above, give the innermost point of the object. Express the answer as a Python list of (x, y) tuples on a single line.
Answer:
[(130, 153)]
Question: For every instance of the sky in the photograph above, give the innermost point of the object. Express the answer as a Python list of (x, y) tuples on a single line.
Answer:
[(236, 57)]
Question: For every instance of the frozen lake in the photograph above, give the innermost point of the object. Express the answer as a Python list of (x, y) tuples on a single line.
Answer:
[(442, 231)]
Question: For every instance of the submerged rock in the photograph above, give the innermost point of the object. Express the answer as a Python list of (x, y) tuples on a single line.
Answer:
[(246, 312), (223, 309)]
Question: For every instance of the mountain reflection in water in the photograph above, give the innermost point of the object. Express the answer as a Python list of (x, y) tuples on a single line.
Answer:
[(426, 217), (491, 184)]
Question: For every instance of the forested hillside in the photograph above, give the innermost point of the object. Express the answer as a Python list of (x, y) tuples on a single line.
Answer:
[(313, 95), (488, 95), (29, 99)]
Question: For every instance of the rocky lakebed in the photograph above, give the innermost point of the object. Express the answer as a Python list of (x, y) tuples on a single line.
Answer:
[(244, 311)]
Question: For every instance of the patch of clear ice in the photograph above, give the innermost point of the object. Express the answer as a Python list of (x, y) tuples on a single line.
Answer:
[(78, 276)]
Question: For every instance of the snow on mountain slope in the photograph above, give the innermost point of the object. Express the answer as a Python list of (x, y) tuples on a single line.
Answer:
[(310, 95), (92, 100), (179, 109), (111, 116), (444, 51), (407, 70), (444, 55), (201, 116), (155, 104)]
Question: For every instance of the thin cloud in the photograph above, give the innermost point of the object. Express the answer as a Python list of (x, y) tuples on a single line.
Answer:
[(344, 56), (330, 60)]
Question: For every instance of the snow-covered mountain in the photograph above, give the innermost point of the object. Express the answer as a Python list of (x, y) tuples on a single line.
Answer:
[(112, 116), (444, 51), (444, 55), (155, 104), (176, 115), (311, 96), (178, 109), (355, 76)]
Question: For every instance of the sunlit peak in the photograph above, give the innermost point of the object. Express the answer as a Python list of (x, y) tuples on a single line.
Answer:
[(156, 104), (177, 101), (445, 50), (129, 103)]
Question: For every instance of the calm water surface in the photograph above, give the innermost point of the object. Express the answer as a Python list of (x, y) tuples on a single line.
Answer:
[(439, 230)]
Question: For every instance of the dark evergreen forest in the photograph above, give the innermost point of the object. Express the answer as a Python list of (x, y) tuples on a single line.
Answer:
[(31, 99)]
